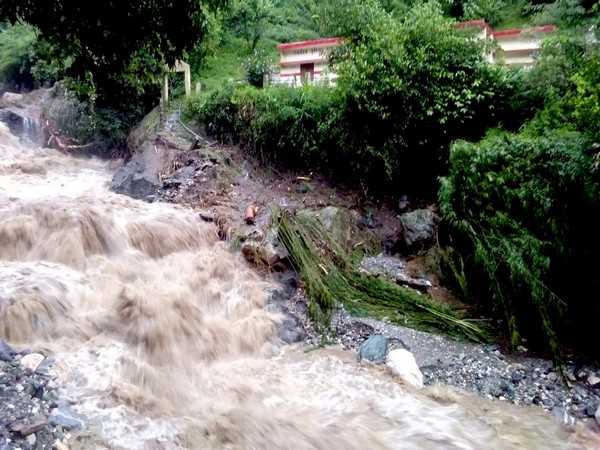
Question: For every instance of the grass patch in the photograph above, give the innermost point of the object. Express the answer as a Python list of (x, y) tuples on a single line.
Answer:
[(330, 278)]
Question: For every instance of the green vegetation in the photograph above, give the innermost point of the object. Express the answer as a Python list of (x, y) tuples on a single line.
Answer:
[(15, 65), (523, 208), (517, 208), (118, 49), (391, 118), (329, 277), (25, 59), (413, 97)]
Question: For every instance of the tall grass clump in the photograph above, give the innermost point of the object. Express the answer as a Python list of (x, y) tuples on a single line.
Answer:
[(522, 213), (330, 279)]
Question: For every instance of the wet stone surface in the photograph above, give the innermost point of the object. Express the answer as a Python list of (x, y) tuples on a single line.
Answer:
[(26, 401), (484, 369)]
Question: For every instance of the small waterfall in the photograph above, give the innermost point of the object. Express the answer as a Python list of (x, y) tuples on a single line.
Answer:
[(26, 128), (31, 130)]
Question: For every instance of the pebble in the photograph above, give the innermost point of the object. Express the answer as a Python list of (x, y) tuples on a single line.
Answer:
[(66, 418), (59, 445), (26, 428)]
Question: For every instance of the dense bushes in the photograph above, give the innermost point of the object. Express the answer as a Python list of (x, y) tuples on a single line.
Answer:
[(26, 60), (281, 125), (15, 65), (523, 211), (406, 89)]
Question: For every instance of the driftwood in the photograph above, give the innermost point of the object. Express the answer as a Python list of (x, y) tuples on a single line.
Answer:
[(250, 215), (63, 144)]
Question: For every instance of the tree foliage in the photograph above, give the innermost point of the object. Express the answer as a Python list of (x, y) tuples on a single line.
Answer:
[(249, 18), (118, 48), (410, 87)]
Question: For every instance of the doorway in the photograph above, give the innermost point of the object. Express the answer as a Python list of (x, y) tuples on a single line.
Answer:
[(307, 72)]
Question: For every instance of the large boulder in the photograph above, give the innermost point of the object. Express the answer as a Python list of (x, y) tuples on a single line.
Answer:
[(11, 99), (402, 363), (267, 251), (374, 349), (418, 230), (135, 180), (393, 269), (341, 223)]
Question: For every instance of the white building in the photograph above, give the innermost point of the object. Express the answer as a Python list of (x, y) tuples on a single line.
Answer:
[(516, 47), (306, 62)]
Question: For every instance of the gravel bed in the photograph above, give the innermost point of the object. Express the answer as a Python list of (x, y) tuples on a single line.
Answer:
[(28, 402), (485, 369)]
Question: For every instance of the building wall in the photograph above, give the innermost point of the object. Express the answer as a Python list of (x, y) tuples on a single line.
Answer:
[(292, 56)]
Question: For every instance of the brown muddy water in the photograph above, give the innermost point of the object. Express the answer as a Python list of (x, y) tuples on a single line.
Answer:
[(162, 341)]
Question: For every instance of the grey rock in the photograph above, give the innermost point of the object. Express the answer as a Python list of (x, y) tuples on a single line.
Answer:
[(207, 216), (268, 251), (374, 349), (6, 352), (393, 269), (418, 229), (134, 180), (66, 418), (341, 223), (291, 330), (26, 427), (593, 380), (590, 410)]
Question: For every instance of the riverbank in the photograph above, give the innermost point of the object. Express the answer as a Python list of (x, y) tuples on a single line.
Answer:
[(221, 183), (152, 261)]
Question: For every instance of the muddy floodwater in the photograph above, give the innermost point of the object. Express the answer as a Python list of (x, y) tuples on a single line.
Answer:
[(161, 338)]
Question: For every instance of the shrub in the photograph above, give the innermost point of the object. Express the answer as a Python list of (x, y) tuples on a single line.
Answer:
[(257, 66), (15, 63), (521, 212), (410, 88)]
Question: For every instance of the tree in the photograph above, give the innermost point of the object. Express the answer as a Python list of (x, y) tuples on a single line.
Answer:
[(249, 19), (411, 86), (118, 48)]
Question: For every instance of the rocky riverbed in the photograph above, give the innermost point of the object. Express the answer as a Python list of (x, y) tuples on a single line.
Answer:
[(220, 189), (32, 416), (221, 183)]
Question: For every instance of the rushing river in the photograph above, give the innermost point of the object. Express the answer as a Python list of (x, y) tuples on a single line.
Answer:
[(161, 338)]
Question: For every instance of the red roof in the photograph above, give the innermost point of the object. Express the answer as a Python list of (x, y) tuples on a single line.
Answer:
[(481, 23), (517, 31), (311, 43), (477, 23)]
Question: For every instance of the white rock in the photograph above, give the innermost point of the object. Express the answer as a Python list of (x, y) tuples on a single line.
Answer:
[(403, 365), (597, 415), (11, 98), (32, 361), (593, 380), (31, 439)]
